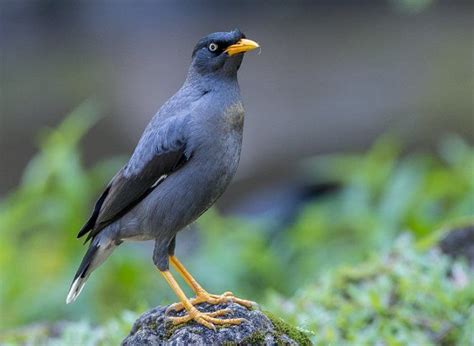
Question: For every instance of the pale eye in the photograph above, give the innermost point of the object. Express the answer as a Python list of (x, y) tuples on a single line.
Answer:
[(213, 47)]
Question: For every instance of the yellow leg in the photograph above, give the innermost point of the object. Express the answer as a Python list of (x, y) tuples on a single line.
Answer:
[(209, 319), (202, 296)]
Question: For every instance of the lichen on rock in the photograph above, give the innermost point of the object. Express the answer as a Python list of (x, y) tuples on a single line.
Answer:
[(154, 328)]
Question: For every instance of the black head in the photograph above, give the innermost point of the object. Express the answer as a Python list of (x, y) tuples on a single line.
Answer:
[(221, 52)]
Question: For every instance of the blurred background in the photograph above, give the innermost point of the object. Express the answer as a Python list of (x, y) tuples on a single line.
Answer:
[(359, 126)]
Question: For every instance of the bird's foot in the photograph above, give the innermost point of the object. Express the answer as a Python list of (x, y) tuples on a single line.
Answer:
[(207, 319), (214, 299)]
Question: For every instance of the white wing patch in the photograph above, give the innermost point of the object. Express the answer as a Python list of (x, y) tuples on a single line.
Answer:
[(159, 180)]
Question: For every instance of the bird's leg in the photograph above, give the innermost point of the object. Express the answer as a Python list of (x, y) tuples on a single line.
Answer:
[(208, 320), (202, 296)]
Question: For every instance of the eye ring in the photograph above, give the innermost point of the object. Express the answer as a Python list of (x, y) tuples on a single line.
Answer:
[(213, 47)]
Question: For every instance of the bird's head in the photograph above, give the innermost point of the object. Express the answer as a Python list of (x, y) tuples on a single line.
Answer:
[(221, 52)]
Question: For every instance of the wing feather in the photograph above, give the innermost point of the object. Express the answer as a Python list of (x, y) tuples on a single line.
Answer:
[(161, 151)]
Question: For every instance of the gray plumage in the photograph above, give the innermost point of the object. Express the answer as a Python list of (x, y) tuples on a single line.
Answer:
[(184, 161)]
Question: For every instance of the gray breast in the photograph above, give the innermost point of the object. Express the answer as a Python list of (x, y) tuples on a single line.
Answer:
[(234, 116)]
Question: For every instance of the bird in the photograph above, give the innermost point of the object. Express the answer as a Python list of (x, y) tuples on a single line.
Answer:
[(183, 162)]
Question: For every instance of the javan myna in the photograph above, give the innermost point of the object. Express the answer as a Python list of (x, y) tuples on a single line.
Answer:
[(183, 162)]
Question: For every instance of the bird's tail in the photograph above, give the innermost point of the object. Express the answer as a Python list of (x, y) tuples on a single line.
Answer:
[(98, 251)]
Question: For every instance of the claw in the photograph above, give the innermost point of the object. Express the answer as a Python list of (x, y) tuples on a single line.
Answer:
[(207, 319), (229, 297), (213, 299)]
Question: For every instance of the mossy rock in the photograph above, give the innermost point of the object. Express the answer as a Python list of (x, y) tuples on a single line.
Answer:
[(259, 328)]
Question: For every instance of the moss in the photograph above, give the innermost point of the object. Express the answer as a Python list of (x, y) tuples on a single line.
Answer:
[(257, 338), (229, 343), (170, 328), (152, 325), (283, 328)]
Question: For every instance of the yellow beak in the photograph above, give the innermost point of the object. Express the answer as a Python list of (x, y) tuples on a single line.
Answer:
[(242, 46)]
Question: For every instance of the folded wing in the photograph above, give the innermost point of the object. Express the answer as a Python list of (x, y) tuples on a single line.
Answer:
[(160, 152)]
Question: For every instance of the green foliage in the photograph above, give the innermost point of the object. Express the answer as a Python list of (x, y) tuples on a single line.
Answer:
[(403, 298), (82, 333), (386, 193), (381, 194), (39, 221), (283, 328)]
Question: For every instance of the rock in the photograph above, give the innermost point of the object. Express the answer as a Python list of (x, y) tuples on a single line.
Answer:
[(459, 242), (153, 328)]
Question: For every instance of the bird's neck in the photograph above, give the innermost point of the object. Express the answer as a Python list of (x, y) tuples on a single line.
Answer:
[(210, 81)]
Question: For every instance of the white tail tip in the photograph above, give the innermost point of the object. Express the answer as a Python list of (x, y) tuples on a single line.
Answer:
[(75, 290)]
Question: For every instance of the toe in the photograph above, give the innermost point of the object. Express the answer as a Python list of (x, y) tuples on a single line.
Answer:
[(174, 307), (180, 320), (205, 322), (219, 313), (219, 321), (246, 303)]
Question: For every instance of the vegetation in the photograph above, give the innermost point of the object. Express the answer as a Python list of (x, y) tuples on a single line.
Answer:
[(401, 298), (379, 195), (83, 333)]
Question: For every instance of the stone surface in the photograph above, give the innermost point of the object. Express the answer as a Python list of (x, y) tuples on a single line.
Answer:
[(459, 242), (153, 328)]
